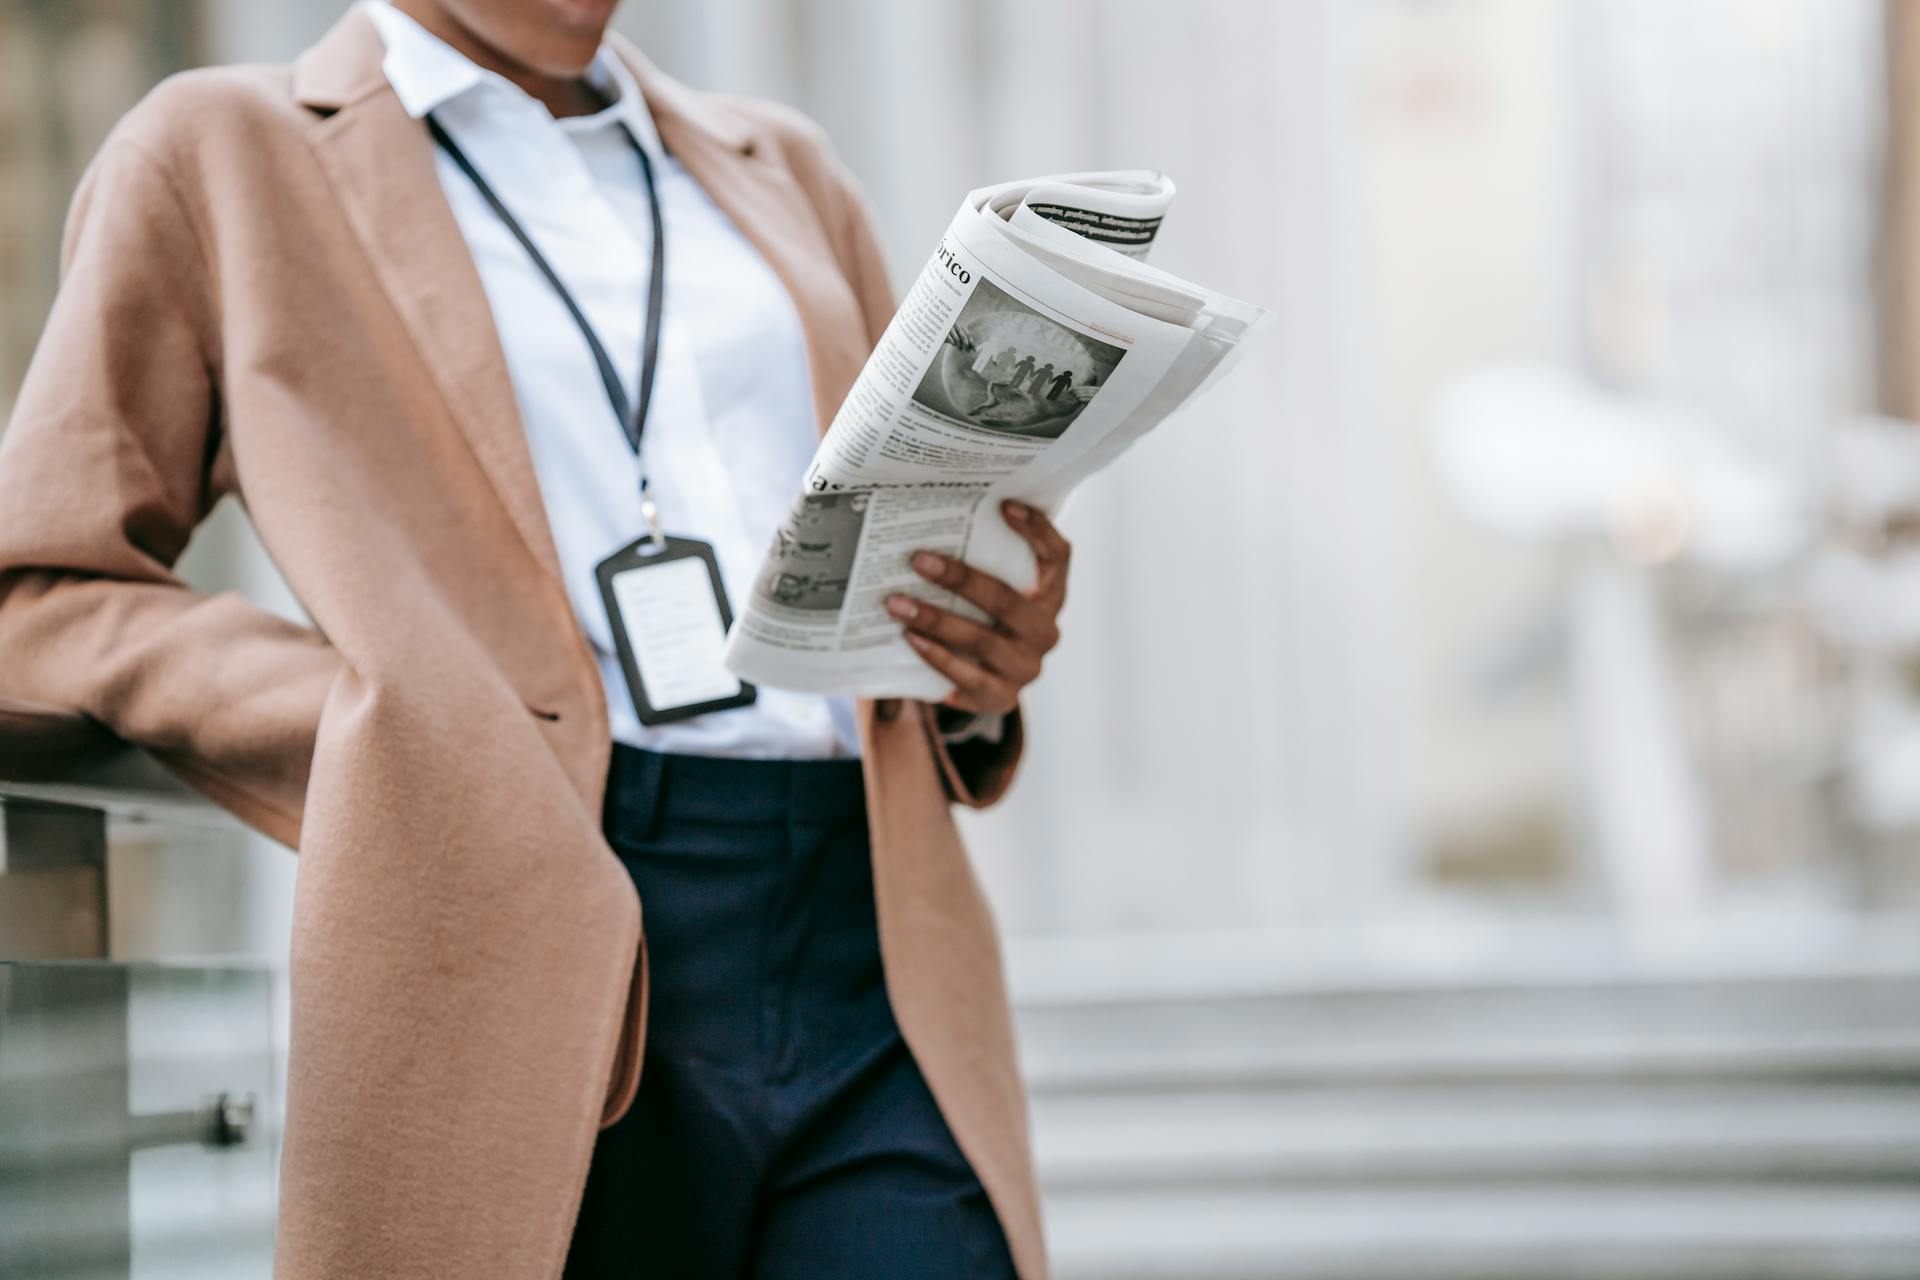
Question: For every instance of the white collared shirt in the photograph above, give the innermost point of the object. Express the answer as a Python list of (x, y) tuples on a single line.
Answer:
[(731, 428)]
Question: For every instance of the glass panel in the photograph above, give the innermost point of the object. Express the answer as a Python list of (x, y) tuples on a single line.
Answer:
[(115, 1161)]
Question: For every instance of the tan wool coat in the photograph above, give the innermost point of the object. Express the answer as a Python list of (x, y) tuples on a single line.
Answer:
[(266, 296)]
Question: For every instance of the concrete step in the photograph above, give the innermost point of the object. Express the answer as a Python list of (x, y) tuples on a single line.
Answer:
[(1861, 1028), (1446, 1134), (1540, 1232), (1525, 1123)]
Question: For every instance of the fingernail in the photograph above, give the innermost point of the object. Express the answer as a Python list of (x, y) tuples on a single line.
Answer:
[(919, 641), (1018, 512), (927, 563), (902, 607)]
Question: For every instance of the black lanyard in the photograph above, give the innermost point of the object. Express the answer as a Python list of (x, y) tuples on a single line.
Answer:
[(632, 419)]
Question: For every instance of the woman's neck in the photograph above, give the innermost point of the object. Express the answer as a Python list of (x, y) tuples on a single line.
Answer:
[(562, 95)]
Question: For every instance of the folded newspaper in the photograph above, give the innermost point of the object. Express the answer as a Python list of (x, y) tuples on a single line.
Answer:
[(1035, 348)]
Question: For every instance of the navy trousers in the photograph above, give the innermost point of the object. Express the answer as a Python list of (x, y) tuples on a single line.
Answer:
[(782, 1130)]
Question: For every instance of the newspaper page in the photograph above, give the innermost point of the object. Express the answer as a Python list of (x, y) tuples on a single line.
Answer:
[(1034, 348)]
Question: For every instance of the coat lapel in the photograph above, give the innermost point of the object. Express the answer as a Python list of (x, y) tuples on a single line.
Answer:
[(731, 164), (379, 161)]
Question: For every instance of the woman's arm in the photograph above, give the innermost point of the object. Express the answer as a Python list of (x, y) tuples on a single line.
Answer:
[(113, 455)]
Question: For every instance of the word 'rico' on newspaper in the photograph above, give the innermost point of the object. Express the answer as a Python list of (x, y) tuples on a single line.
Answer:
[(1034, 349)]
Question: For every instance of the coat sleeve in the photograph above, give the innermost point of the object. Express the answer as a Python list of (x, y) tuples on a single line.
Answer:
[(113, 455), (977, 771)]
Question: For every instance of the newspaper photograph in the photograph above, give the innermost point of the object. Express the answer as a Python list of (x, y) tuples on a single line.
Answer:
[(1035, 347), (1008, 369)]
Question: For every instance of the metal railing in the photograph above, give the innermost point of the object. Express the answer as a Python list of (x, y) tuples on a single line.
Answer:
[(61, 778), (77, 1095)]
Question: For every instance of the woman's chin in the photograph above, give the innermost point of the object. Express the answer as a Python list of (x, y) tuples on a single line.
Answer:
[(583, 17)]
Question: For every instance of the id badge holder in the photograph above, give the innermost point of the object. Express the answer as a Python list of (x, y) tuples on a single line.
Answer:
[(670, 617)]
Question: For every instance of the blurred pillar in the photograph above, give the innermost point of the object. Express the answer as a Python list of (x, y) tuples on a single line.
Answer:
[(67, 73), (1898, 279), (266, 30)]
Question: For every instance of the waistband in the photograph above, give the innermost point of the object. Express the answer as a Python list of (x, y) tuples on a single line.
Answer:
[(647, 787)]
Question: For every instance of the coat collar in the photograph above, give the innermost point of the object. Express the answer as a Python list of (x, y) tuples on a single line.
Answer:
[(427, 73), (345, 67)]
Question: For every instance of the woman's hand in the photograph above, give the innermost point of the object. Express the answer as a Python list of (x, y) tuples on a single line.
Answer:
[(990, 662)]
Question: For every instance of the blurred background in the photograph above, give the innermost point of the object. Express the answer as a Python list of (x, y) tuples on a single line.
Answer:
[(1472, 825)]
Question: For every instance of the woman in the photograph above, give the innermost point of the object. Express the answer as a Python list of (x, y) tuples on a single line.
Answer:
[(438, 304)]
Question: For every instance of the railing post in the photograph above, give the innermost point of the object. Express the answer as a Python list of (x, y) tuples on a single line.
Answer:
[(53, 881)]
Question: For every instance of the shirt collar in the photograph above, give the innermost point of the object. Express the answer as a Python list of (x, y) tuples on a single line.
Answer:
[(426, 73)]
